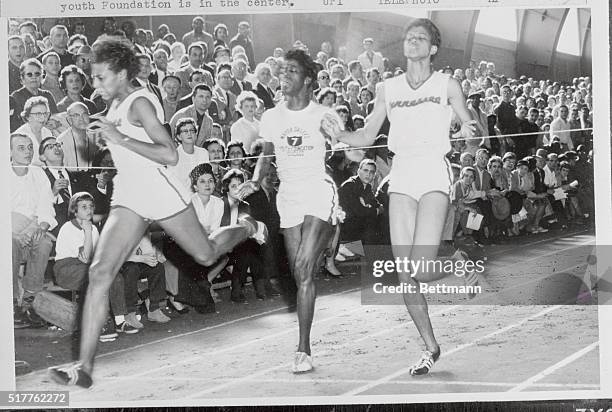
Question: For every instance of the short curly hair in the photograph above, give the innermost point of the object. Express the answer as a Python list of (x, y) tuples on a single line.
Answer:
[(305, 61), (68, 70), (117, 53), (199, 170)]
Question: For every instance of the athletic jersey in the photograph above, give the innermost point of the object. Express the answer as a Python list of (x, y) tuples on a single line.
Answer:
[(126, 161), (420, 119), (298, 142)]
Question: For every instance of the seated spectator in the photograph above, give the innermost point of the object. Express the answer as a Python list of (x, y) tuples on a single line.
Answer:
[(52, 67), (345, 116), (373, 78), (365, 97), (197, 53), (143, 74), (72, 81), (500, 186), (35, 114), (76, 243), (16, 55), (225, 99), (520, 196), (216, 153), (244, 256), (177, 52), (352, 93), (235, 157), (358, 122), (30, 71), (198, 110), (323, 81), (560, 126), (103, 173), (541, 192), (463, 198), (482, 185), (361, 207), (78, 145), (32, 216), (197, 77), (220, 34), (239, 72), (144, 261), (189, 155), (246, 129), (571, 187)]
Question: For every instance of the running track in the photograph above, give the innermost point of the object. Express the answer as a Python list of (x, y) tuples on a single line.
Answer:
[(367, 350)]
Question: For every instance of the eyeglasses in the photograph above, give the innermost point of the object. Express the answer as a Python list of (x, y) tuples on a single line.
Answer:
[(52, 146), (324, 78), (40, 114), (32, 74), (194, 131)]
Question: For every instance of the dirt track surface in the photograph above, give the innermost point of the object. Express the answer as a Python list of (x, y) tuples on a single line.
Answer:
[(246, 351)]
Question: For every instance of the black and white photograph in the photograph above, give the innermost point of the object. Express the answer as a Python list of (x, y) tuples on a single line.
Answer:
[(245, 204)]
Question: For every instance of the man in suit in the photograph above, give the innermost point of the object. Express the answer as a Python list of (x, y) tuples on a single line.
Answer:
[(142, 77), (196, 77), (196, 53), (59, 44), (198, 110), (199, 34), (160, 58), (225, 99), (370, 58), (243, 38), (239, 70)]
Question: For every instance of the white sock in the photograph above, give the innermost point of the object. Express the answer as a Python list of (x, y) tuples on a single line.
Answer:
[(119, 319)]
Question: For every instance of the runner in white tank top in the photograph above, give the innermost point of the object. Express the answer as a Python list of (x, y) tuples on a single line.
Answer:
[(418, 106), (141, 149), (306, 197)]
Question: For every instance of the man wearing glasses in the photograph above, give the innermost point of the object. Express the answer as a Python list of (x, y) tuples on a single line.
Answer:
[(31, 71), (78, 146), (51, 155)]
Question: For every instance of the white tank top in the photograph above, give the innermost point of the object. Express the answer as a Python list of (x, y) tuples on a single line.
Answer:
[(420, 118), (126, 161)]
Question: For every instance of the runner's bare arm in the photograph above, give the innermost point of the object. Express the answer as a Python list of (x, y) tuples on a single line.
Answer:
[(457, 102), (142, 113), (361, 137), (261, 169)]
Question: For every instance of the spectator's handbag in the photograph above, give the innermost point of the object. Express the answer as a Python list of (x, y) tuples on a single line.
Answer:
[(520, 216), (500, 207), (474, 221)]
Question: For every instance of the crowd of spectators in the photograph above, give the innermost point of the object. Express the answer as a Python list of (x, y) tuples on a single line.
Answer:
[(529, 169)]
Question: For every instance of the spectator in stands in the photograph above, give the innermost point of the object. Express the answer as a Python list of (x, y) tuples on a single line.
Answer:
[(246, 129), (356, 75), (323, 80), (239, 72), (82, 60), (235, 156), (506, 117), (103, 173), (145, 262), (198, 34), (36, 114), (560, 127), (473, 106), (109, 26), (160, 69), (189, 155), (197, 77), (577, 136), (327, 97), (243, 38), (171, 86), (262, 89), (79, 147), (196, 52), (216, 154), (142, 77), (72, 81), (370, 58), (32, 216), (463, 198), (358, 122), (345, 116), (361, 207), (177, 52), (521, 192), (75, 244), (201, 100), (220, 35), (31, 71), (16, 55), (352, 94), (225, 99), (244, 256), (541, 192), (59, 44)]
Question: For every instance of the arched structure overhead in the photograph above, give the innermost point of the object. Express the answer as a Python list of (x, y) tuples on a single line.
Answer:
[(458, 29)]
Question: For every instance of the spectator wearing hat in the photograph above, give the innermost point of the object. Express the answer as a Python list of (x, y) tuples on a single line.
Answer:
[(243, 38), (198, 34), (370, 58)]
